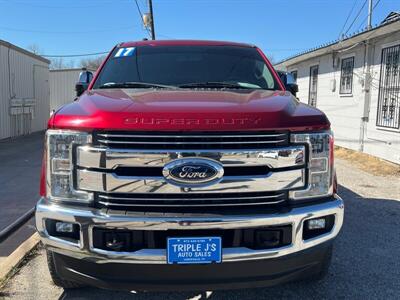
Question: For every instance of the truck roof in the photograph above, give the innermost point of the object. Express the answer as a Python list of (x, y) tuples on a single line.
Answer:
[(182, 43)]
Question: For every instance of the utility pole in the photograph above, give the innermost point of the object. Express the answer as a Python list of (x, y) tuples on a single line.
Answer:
[(153, 33), (369, 26), (367, 81)]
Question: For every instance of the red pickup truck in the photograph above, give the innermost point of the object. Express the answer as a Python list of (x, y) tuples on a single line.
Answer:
[(187, 165)]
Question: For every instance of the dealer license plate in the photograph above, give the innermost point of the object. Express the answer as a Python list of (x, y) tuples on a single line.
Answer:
[(194, 250)]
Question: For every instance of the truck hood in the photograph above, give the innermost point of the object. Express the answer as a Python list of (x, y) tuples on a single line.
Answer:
[(188, 110)]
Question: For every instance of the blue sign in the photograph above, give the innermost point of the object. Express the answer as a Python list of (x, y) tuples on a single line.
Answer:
[(194, 250)]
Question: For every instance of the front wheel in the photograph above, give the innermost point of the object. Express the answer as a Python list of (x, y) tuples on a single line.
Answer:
[(59, 281)]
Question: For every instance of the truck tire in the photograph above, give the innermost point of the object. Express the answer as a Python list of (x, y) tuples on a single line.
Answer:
[(59, 281)]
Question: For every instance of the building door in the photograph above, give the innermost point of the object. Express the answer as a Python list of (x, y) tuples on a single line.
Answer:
[(388, 111), (312, 94)]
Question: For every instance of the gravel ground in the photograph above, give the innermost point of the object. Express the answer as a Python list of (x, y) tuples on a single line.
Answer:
[(365, 265)]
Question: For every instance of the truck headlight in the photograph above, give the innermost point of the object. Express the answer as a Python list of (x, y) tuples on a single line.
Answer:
[(319, 170), (60, 145)]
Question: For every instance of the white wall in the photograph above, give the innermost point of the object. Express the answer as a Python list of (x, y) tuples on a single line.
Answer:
[(62, 87), (24, 91), (345, 111), (380, 141)]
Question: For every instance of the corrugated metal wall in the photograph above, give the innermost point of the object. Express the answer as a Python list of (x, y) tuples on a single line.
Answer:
[(24, 92), (62, 87)]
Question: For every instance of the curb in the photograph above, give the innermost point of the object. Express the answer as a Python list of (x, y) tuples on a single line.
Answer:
[(11, 261)]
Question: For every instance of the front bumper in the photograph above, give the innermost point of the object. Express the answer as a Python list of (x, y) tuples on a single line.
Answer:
[(210, 277), (87, 218)]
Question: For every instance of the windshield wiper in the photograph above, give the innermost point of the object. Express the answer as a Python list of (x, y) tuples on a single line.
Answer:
[(134, 84), (215, 84)]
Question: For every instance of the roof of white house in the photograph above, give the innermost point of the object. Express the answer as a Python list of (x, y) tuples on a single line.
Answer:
[(390, 24), (393, 16), (26, 52)]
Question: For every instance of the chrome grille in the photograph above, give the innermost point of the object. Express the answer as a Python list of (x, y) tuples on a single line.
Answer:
[(124, 169), (188, 140), (193, 200)]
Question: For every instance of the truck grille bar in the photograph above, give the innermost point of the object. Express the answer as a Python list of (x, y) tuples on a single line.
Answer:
[(195, 200), (183, 140)]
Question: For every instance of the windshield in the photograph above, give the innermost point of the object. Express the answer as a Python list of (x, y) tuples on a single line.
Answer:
[(187, 67)]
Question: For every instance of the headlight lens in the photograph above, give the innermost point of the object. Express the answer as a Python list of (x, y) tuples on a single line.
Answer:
[(320, 165), (60, 145)]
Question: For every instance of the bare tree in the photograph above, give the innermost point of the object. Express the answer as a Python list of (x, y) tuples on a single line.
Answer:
[(92, 63), (56, 62), (34, 48), (59, 63)]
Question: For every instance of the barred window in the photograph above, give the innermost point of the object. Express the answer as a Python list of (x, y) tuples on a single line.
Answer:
[(294, 74), (346, 77), (388, 110), (313, 86)]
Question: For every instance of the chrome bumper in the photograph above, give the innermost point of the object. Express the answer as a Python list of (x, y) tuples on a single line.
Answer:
[(87, 218)]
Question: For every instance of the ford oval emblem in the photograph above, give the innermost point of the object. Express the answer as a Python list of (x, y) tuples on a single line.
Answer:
[(193, 171)]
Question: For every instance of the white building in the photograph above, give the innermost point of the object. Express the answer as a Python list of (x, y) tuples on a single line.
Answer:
[(24, 91), (356, 82), (62, 86)]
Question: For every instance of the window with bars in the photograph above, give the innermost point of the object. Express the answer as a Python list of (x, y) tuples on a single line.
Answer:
[(313, 87), (346, 76), (388, 110), (294, 74)]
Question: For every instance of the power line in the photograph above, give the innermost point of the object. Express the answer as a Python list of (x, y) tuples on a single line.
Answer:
[(141, 17), (362, 22), (54, 6), (285, 49), (76, 55), (348, 17), (167, 36), (62, 32), (356, 17)]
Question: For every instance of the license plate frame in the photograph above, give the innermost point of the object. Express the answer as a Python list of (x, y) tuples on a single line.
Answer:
[(194, 250)]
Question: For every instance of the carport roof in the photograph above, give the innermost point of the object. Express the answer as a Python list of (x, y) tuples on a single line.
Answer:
[(389, 25)]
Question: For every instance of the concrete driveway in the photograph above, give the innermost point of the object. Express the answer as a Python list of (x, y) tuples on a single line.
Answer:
[(366, 262)]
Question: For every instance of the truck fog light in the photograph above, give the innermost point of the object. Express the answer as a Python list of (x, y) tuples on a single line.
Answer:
[(316, 224), (63, 230), (64, 227)]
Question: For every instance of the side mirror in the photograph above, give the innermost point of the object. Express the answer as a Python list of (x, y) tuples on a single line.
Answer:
[(85, 77), (292, 87), (80, 88), (289, 82)]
